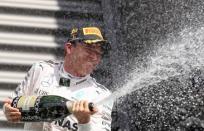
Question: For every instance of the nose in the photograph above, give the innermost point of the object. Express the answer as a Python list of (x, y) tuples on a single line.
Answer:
[(95, 56)]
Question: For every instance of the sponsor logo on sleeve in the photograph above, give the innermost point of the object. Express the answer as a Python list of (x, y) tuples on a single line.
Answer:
[(40, 92), (67, 124), (47, 81), (106, 116), (107, 124)]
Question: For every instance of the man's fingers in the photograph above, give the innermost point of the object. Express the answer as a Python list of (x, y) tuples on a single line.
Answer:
[(14, 119), (77, 106), (8, 107), (12, 114), (7, 100), (86, 106), (81, 106), (95, 109), (15, 114), (81, 111)]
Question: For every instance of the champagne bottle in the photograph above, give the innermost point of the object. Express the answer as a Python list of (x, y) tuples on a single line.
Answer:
[(43, 108)]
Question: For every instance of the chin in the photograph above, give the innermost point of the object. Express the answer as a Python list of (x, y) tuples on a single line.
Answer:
[(89, 71), (84, 73)]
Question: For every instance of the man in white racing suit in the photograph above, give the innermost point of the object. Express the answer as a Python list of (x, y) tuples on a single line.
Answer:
[(70, 79)]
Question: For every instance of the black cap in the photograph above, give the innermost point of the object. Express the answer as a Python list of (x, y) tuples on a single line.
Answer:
[(89, 35)]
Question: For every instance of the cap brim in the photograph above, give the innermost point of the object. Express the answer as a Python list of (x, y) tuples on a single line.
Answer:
[(95, 41)]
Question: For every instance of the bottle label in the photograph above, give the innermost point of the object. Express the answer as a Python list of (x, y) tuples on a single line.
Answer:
[(69, 106), (26, 102)]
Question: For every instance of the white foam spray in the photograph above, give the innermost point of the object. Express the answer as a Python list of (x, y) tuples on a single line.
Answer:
[(177, 56)]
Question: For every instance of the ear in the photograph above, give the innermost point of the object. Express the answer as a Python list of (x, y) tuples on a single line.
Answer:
[(67, 48)]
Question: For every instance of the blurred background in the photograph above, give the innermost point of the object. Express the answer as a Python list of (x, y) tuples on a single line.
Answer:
[(32, 31)]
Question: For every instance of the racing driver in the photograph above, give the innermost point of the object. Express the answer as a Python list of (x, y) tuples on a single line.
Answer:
[(70, 79)]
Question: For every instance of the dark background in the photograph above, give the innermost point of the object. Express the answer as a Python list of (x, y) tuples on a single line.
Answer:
[(140, 25), (134, 28)]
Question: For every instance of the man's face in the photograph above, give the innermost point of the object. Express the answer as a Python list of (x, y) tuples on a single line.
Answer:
[(85, 57)]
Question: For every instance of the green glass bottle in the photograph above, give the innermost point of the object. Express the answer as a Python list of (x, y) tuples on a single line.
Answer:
[(43, 108)]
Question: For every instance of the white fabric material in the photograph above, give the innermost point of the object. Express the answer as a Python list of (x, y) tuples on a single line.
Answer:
[(84, 127), (43, 79)]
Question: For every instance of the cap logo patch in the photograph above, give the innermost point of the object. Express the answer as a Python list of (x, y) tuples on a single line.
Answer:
[(92, 31), (74, 33)]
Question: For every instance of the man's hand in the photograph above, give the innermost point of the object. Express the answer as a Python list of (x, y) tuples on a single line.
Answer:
[(12, 114), (81, 111)]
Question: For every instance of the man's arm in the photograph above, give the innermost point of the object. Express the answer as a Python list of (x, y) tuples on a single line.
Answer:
[(13, 114), (82, 112), (97, 120)]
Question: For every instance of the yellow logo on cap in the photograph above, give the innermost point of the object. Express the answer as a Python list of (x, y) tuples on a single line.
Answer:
[(92, 31), (74, 32)]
